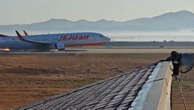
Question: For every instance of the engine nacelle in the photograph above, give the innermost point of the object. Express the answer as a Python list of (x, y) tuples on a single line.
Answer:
[(60, 46)]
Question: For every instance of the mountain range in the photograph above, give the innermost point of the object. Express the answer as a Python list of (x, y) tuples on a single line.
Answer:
[(172, 21)]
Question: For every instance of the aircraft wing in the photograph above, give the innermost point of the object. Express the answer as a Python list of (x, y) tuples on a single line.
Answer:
[(25, 33), (31, 41)]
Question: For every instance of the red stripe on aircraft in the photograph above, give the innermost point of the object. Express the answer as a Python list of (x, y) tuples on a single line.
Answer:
[(87, 44)]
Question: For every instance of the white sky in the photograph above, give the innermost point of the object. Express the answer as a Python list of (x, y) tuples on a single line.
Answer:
[(31, 11)]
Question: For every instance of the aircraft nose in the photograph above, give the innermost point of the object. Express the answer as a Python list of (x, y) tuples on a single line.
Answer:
[(108, 39), (103, 38)]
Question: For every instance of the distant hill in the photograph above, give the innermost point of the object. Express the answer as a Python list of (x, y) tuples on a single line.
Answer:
[(173, 21)]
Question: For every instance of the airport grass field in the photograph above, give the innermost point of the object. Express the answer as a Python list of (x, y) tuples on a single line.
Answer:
[(28, 78)]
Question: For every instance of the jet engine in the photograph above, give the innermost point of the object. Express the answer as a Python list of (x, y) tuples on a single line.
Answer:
[(60, 46)]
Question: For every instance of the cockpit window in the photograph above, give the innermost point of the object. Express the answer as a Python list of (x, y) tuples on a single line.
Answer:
[(101, 35)]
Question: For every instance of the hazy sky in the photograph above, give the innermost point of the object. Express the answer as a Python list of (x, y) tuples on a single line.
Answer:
[(30, 11)]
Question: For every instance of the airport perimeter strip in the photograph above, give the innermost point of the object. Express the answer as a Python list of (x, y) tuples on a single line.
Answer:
[(144, 88)]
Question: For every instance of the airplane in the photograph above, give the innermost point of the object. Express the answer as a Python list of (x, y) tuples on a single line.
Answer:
[(46, 42)]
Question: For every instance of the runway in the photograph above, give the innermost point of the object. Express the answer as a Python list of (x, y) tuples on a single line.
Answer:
[(144, 50), (111, 51)]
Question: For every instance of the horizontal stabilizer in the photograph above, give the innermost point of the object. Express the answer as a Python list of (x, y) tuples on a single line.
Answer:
[(2, 35)]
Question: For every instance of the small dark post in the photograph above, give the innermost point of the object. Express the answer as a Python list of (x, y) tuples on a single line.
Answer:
[(176, 62)]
